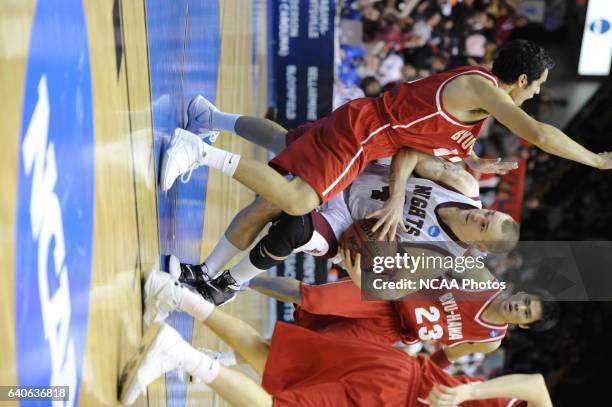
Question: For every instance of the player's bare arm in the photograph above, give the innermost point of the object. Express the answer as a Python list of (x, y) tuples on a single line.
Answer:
[(450, 174), (490, 165), (390, 215), (527, 387), (483, 95), (404, 163), (455, 352), (283, 289)]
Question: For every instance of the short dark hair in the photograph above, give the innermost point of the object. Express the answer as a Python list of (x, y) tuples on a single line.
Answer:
[(550, 311), (521, 57), (366, 82)]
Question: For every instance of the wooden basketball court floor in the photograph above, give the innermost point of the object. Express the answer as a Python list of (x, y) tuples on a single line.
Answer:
[(91, 93)]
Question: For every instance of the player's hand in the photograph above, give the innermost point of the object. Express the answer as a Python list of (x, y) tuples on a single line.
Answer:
[(352, 266), (351, 263), (389, 217), (443, 396), (606, 161), (492, 165)]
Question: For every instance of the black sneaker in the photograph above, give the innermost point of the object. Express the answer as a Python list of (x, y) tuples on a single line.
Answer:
[(221, 290), (214, 296), (225, 281), (192, 274)]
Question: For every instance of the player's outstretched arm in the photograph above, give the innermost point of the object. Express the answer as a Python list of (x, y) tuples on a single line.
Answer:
[(390, 216), (283, 289), (528, 387), (490, 165), (450, 174), (550, 139), (455, 352)]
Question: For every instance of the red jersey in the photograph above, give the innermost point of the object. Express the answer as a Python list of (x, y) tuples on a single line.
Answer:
[(415, 113), (313, 369), (447, 314), (329, 153)]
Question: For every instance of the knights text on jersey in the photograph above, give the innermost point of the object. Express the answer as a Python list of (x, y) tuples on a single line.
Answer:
[(370, 190), (417, 118)]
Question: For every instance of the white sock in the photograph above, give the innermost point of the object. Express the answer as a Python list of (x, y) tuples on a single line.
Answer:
[(245, 270), (195, 305), (227, 358), (223, 252), (221, 160), (200, 365), (224, 121)]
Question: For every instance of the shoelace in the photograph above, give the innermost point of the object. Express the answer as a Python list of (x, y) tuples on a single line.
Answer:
[(195, 165), (209, 138), (184, 179)]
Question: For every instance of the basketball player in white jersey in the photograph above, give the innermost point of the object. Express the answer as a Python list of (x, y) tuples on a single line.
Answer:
[(442, 211)]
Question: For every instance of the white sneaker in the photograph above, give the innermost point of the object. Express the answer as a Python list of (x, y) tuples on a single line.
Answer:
[(185, 153), (162, 296), (160, 351), (199, 115)]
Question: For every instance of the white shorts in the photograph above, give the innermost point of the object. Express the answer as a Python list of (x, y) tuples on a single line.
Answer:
[(330, 220)]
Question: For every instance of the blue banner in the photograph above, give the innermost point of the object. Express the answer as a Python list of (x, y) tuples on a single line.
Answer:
[(303, 59)]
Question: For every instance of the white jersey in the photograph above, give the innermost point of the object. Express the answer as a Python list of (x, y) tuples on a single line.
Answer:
[(370, 190), (368, 193)]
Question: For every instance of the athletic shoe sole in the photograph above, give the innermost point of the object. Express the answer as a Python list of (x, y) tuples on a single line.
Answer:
[(130, 372)]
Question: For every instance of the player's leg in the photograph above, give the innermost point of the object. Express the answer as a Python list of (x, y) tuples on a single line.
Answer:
[(203, 115), (250, 221), (164, 295), (263, 132), (240, 336), (283, 289), (240, 390), (187, 151), (162, 350), (285, 235), (240, 234), (294, 197)]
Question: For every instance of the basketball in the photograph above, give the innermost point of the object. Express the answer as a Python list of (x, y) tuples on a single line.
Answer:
[(359, 233)]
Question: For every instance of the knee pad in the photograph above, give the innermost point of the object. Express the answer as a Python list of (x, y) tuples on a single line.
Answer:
[(288, 233)]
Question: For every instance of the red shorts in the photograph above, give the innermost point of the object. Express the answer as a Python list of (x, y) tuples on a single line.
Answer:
[(337, 309), (329, 153), (306, 368)]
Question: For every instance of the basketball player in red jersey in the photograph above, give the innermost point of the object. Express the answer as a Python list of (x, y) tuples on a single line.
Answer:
[(303, 368), (440, 115), (462, 321)]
